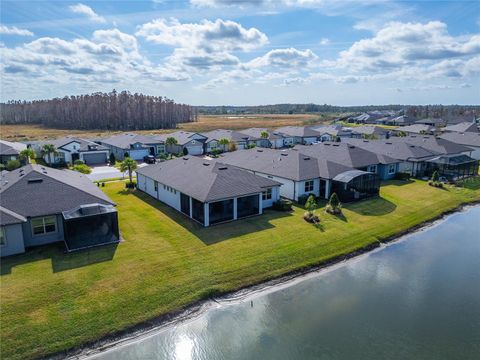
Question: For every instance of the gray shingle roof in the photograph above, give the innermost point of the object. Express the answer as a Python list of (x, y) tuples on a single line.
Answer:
[(206, 180), (11, 148), (463, 127), (34, 190), (256, 133), (287, 164), (416, 128), (123, 141), (182, 137), (225, 134), (8, 217), (467, 138), (299, 131), (396, 150), (335, 130), (370, 130), (345, 154), (432, 143), (85, 145)]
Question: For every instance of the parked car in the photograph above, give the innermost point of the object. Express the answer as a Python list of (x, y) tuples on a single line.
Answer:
[(149, 159)]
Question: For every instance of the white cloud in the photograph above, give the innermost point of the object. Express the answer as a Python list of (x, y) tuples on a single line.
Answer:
[(217, 3), (324, 41), (87, 11), (13, 30), (287, 58), (400, 46)]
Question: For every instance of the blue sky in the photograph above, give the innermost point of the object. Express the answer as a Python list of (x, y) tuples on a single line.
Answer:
[(245, 52)]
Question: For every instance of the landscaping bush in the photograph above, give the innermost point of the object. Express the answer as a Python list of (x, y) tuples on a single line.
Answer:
[(334, 206), (130, 185), (311, 217), (302, 199), (2, 167), (435, 180), (232, 146), (282, 205), (112, 159), (79, 162), (13, 164), (82, 168)]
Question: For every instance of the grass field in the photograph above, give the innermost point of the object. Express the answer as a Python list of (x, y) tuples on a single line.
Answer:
[(51, 301), (204, 123)]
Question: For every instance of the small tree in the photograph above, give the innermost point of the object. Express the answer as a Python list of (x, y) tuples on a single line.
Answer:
[(185, 151), (170, 141), (264, 135), (224, 142), (334, 205), (130, 165), (27, 155), (232, 146), (49, 150), (13, 164), (435, 176), (311, 204), (112, 159)]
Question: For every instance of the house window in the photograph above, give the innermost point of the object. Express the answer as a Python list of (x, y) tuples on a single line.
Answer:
[(309, 186), (391, 169), (164, 187), (267, 195), (3, 237), (372, 169), (155, 185), (44, 225)]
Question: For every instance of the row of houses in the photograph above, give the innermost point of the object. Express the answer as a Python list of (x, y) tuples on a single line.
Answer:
[(41, 205)]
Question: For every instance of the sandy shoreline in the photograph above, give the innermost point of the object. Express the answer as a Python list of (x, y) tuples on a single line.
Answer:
[(163, 322)]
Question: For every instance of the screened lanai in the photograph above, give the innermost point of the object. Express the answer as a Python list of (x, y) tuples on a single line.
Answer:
[(453, 167), (354, 185), (90, 225)]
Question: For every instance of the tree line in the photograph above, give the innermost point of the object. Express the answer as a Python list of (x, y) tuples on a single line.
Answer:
[(107, 111)]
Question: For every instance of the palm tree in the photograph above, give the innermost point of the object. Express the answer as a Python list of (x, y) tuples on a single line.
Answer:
[(130, 165), (224, 142), (264, 135), (27, 154), (49, 149)]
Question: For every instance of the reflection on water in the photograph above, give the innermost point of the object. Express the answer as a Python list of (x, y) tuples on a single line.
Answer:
[(417, 299)]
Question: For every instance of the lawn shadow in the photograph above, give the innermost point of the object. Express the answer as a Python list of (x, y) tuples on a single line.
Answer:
[(372, 207), (60, 259), (397, 182), (219, 232)]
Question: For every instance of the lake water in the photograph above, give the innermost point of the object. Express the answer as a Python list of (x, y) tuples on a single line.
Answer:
[(414, 299)]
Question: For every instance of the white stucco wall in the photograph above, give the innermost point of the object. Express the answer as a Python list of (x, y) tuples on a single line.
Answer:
[(171, 198), (13, 240)]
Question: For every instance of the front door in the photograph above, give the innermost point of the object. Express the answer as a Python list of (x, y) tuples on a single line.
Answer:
[(75, 156)]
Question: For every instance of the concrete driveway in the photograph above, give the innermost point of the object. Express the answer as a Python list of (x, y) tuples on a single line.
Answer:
[(108, 172)]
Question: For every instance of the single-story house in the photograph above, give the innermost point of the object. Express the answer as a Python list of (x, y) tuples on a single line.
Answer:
[(69, 149), (40, 205), (402, 120), (274, 139), (332, 132), (10, 151), (212, 141), (468, 139), (370, 132), (435, 122), (354, 157), (413, 159), (298, 135), (462, 127), (208, 192), (191, 141), (134, 146), (302, 174), (416, 129)]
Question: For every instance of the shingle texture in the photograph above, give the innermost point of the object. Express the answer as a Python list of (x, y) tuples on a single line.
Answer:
[(463, 127), (467, 138), (34, 190), (123, 141), (206, 180), (432, 143), (11, 148), (84, 145), (298, 131), (8, 217), (182, 137)]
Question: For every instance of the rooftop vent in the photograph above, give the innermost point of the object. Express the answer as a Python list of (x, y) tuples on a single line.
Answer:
[(326, 144), (259, 150), (222, 168), (351, 147), (185, 158), (335, 145), (284, 154), (365, 141), (35, 180), (206, 164), (306, 158)]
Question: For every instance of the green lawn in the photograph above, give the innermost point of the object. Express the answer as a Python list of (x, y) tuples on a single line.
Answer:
[(51, 301)]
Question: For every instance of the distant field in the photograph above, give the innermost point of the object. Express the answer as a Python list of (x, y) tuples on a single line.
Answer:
[(204, 123)]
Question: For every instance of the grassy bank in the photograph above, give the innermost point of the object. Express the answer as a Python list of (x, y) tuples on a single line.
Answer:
[(24, 132), (51, 301)]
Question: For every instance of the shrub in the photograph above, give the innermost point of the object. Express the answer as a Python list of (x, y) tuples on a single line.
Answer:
[(2, 167), (130, 185), (311, 217), (185, 151), (251, 146), (311, 204), (334, 206), (435, 176), (282, 205), (112, 159), (302, 199), (79, 162), (13, 164), (82, 168), (232, 146), (103, 184)]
